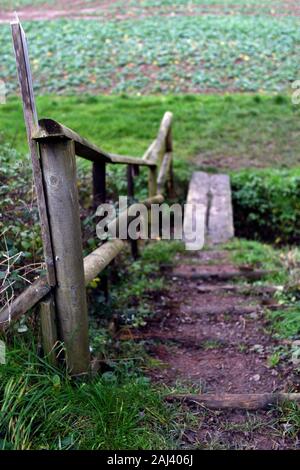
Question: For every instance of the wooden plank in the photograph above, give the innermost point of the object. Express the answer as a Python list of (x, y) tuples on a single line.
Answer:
[(243, 401), (220, 220), (197, 199), (30, 116), (59, 168), (49, 329), (170, 180)]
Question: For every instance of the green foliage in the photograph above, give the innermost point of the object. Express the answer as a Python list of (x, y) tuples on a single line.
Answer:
[(274, 359), (290, 417), (20, 241), (162, 252), (267, 205), (286, 322), (41, 408), (260, 256), (135, 283)]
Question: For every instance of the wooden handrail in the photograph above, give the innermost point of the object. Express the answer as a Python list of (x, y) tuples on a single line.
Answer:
[(93, 263), (158, 147), (50, 129), (123, 159)]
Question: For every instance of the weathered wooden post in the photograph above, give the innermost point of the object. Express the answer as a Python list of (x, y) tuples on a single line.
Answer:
[(169, 149), (99, 197), (99, 183), (152, 181), (60, 181), (31, 122), (130, 194)]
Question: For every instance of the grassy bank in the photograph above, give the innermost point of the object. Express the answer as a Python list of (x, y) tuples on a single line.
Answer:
[(42, 409), (229, 131)]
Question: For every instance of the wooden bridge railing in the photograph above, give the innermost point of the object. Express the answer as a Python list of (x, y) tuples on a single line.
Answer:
[(61, 291)]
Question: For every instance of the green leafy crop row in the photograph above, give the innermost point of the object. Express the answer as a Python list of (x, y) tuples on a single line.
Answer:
[(178, 54)]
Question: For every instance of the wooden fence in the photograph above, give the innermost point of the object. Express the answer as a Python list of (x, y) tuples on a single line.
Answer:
[(61, 291)]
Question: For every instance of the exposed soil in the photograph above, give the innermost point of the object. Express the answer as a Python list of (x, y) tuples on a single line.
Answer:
[(200, 344), (116, 10)]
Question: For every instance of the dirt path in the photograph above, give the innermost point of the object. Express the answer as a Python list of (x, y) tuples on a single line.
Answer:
[(204, 341), (104, 10)]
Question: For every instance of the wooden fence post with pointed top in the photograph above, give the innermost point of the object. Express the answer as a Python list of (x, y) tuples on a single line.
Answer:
[(30, 116)]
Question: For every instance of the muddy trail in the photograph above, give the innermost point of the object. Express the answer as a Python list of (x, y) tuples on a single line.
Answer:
[(113, 10), (211, 334)]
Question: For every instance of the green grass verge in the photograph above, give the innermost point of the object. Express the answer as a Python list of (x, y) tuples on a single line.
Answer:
[(41, 408), (231, 131), (260, 256)]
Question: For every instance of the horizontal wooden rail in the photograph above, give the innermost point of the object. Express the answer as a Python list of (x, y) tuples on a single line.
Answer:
[(94, 263), (158, 148), (49, 129), (25, 301), (123, 159)]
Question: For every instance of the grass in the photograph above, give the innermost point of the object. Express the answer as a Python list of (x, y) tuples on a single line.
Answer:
[(41, 408), (260, 256), (286, 322), (229, 131)]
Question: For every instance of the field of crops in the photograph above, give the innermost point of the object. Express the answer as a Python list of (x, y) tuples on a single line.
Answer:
[(171, 52)]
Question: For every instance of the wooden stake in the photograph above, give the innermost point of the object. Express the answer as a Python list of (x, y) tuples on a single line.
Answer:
[(59, 169), (152, 182), (30, 116), (49, 330), (99, 183)]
